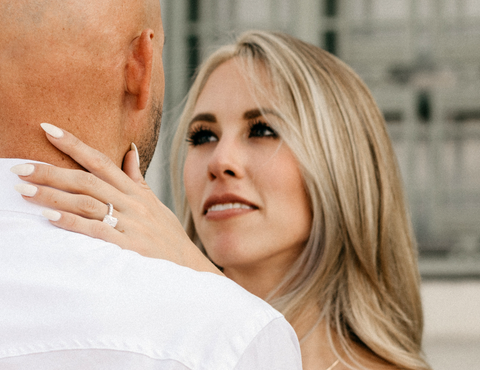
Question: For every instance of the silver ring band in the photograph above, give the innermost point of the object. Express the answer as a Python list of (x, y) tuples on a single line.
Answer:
[(109, 219)]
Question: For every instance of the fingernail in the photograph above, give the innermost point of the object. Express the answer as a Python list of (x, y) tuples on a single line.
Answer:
[(23, 169), (134, 147), (52, 130), (26, 189), (52, 215)]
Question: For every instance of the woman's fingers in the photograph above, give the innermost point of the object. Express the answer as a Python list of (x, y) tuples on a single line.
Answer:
[(131, 165), (94, 161), (92, 228), (71, 181), (82, 205)]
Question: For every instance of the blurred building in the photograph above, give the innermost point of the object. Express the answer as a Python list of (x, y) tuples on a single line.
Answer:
[(420, 58)]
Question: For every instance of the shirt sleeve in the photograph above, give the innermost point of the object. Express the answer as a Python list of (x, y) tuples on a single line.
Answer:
[(274, 348)]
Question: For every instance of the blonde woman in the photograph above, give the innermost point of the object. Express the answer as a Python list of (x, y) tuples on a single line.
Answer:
[(286, 179)]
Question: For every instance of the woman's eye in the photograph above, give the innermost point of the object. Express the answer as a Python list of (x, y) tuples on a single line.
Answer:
[(261, 129), (201, 136)]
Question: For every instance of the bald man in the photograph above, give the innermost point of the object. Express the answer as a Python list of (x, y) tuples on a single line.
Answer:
[(68, 301)]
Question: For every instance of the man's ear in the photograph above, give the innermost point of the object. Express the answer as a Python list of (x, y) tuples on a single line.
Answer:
[(138, 70)]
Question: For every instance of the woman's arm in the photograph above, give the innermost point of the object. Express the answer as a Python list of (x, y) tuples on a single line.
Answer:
[(78, 202)]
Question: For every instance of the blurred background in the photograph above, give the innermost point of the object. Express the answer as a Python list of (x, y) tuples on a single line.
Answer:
[(421, 60)]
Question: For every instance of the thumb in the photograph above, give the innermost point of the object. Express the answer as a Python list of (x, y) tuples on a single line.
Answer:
[(131, 165)]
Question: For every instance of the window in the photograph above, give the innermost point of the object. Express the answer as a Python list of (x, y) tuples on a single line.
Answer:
[(193, 10), (193, 44), (330, 41), (331, 8)]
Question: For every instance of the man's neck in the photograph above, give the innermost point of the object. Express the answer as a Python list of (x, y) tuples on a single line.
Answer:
[(37, 149)]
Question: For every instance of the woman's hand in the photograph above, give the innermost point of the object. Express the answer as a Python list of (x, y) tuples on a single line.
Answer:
[(79, 199)]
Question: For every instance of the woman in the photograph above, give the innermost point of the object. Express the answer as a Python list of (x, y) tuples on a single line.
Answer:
[(293, 191)]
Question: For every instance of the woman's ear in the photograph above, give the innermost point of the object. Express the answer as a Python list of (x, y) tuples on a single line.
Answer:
[(138, 70)]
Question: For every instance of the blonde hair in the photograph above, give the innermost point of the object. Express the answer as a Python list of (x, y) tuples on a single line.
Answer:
[(360, 262)]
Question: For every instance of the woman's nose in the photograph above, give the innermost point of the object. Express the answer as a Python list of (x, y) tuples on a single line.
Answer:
[(226, 161)]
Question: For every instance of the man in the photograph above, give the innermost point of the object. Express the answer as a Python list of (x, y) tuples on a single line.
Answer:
[(68, 301)]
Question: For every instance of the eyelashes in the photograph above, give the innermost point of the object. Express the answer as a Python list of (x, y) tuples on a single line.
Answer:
[(202, 134), (259, 128)]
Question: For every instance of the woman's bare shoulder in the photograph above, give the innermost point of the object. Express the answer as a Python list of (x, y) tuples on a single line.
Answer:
[(317, 354)]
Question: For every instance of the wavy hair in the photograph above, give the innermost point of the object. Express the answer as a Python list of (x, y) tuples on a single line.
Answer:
[(359, 265)]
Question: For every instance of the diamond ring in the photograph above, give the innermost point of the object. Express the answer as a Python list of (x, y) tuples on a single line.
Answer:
[(109, 219)]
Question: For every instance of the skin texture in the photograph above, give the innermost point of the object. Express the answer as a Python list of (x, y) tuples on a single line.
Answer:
[(93, 68), (250, 165)]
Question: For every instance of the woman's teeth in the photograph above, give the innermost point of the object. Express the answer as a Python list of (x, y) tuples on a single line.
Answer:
[(223, 207)]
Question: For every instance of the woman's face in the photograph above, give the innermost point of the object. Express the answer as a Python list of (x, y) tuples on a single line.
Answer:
[(242, 182)]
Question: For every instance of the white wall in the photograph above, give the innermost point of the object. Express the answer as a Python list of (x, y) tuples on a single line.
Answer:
[(452, 324)]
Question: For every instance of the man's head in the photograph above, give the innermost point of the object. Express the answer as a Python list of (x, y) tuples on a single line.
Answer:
[(92, 67)]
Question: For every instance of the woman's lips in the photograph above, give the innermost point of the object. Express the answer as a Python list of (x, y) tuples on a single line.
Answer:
[(226, 206)]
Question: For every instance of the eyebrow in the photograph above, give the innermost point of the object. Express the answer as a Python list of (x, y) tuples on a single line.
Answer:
[(248, 115), (203, 117), (254, 113)]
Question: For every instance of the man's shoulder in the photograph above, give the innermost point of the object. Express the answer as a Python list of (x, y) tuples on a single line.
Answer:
[(79, 292), (93, 267)]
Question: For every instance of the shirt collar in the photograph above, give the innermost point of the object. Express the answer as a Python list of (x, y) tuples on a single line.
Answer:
[(10, 199)]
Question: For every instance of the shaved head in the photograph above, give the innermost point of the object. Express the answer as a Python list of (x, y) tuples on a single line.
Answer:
[(32, 26), (67, 62)]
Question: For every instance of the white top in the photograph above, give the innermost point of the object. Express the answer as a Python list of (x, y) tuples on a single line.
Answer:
[(68, 301)]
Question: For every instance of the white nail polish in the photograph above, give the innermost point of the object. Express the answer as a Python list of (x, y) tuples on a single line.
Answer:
[(52, 215), (26, 189), (23, 169), (134, 147), (52, 130)]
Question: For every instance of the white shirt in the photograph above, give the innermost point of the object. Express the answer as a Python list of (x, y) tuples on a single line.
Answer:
[(68, 301)]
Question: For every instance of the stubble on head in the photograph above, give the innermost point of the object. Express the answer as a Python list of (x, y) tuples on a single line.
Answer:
[(148, 144)]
